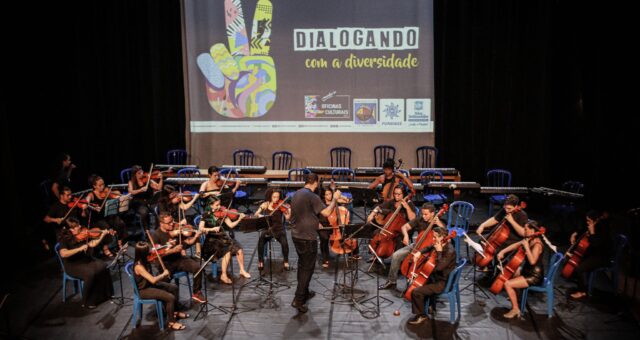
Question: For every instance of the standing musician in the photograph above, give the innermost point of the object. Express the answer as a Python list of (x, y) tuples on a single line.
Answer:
[(277, 230), (154, 287), (78, 262), (390, 179), (515, 220), (175, 256), (305, 208), (445, 263), (55, 217), (531, 273), (141, 193), (218, 242), (420, 223), (62, 177), (215, 186), (597, 254), (96, 203), (408, 210)]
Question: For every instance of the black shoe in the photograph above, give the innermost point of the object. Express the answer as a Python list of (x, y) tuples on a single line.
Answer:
[(310, 295), (388, 285), (299, 306), (418, 319)]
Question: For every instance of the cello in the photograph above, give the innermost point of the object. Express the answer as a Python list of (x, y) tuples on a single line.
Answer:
[(577, 250), (339, 217), (387, 188), (423, 269), (425, 239), (513, 265), (383, 242), (495, 239)]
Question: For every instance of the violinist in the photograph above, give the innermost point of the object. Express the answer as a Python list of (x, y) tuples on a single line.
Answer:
[(445, 263), (215, 186), (78, 262), (531, 273), (391, 179), (172, 202), (276, 214), (598, 254), (141, 188), (62, 177), (218, 242), (175, 257), (418, 224), (55, 217), (515, 219), (154, 287), (96, 205), (408, 211)]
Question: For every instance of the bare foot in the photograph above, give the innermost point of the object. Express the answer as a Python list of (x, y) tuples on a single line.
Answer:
[(245, 275), (176, 326), (225, 279)]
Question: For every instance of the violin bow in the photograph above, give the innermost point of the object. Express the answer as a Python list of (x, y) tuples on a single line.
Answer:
[(154, 247), (70, 210), (279, 205), (146, 187)]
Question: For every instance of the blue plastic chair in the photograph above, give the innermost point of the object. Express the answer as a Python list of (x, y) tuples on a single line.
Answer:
[(426, 157), (77, 283), (214, 264), (233, 173), (281, 160), (452, 292), (125, 175), (243, 157), (614, 266), (498, 178), (340, 157), (138, 302), (188, 172), (177, 156), (458, 219), (383, 152), (176, 278), (547, 285), (431, 195)]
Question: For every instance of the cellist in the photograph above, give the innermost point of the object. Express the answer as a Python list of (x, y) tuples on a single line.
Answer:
[(418, 224), (408, 210), (390, 179), (531, 273), (515, 219), (597, 254), (445, 263)]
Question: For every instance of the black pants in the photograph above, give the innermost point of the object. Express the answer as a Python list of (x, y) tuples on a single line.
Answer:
[(167, 293), (307, 251), (587, 265), (324, 244), (282, 239), (420, 295), (189, 265), (97, 280), (141, 208)]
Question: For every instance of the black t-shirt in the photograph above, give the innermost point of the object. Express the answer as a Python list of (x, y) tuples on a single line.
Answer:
[(69, 242), (388, 207), (519, 216), (59, 210), (161, 238), (305, 208)]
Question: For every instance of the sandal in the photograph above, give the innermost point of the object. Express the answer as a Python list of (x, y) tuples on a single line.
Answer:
[(286, 266), (245, 275), (107, 252), (260, 266), (177, 326), (181, 315), (325, 264), (227, 281)]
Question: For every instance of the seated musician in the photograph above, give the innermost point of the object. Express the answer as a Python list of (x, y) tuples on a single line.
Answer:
[(276, 224), (325, 232), (172, 203), (531, 273), (515, 219), (154, 287), (445, 263), (408, 210), (141, 193), (390, 179), (597, 255), (55, 217), (78, 262), (96, 199), (218, 242), (214, 186), (418, 224), (175, 257)]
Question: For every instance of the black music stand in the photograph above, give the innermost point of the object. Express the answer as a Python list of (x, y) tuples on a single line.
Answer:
[(474, 282), (204, 308), (119, 258), (367, 196), (257, 224), (377, 297)]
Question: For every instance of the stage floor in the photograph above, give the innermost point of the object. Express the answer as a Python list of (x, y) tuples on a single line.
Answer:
[(36, 311)]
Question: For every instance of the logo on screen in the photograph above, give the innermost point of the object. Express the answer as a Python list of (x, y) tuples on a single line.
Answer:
[(392, 112), (365, 111)]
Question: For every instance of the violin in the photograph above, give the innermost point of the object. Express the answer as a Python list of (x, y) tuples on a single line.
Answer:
[(157, 251), (425, 239), (513, 265), (280, 205), (187, 196), (496, 239), (232, 214), (86, 234), (423, 269), (80, 203)]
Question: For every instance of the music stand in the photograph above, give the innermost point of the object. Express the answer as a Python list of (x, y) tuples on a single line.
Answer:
[(114, 207), (365, 195), (377, 297), (204, 308), (119, 258), (474, 283)]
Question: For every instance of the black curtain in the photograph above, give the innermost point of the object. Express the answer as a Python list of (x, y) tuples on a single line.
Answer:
[(522, 85)]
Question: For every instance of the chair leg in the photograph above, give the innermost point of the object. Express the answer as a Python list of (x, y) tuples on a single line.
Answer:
[(214, 269), (523, 302), (452, 309), (458, 302), (64, 289), (160, 314), (550, 301), (189, 285), (137, 310)]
